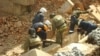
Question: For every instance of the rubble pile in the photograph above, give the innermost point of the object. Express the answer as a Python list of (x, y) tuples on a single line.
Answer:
[(56, 4), (79, 49), (94, 37), (95, 52), (12, 32)]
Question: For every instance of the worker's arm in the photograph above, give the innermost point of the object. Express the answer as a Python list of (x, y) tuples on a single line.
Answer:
[(83, 12), (45, 27)]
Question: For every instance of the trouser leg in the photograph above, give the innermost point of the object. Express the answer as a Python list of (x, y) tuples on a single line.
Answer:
[(43, 36), (72, 24), (59, 38)]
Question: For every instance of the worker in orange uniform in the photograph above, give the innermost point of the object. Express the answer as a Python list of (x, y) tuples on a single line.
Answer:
[(41, 30)]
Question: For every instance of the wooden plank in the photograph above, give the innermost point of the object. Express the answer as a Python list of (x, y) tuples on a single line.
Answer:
[(66, 7), (96, 12)]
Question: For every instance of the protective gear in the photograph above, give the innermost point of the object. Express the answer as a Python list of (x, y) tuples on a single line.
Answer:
[(47, 22), (52, 15), (35, 41), (48, 25), (58, 23), (43, 10), (32, 32)]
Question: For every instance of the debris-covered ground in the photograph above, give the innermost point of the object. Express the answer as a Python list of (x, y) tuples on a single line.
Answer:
[(13, 29), (12, 32)]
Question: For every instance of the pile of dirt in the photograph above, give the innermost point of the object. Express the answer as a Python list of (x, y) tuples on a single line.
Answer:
[(12, 32), (51, 5)]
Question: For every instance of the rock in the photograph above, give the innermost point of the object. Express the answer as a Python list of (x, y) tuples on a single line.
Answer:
[(36, 52), (86, 49)]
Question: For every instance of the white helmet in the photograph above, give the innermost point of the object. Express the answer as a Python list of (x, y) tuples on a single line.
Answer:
[(43, 10), (47, 22)]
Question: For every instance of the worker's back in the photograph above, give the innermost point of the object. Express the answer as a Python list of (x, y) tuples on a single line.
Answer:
[(59, 22)]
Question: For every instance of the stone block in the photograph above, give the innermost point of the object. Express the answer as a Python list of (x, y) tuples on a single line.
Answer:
[(66, 7), (86, 49), (70, 38), (36, 52), (96, 12), (52, 48)]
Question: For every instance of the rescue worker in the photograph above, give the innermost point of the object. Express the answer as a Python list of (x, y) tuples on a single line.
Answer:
[(59, 26), (74, 18), (39, 17), (86, 26), (33, 41), (41, 30)]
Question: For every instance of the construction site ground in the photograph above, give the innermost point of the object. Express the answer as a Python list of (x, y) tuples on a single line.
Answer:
[(14, 29)]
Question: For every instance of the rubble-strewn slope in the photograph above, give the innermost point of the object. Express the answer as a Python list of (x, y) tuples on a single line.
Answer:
[(13, 30)]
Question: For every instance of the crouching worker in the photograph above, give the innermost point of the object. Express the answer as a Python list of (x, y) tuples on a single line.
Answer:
[(41, 30), (58, 26), (33, 41), (86, 26), (74, 18)]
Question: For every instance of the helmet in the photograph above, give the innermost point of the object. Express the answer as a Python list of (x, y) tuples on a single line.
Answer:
[(43, 10), (47, 22), (52, 15), (32, 32)]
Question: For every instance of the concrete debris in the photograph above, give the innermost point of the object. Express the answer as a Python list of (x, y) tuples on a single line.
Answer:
[(36, 52), (80, 50), (94, 37), (74, 52), (96, 12)]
